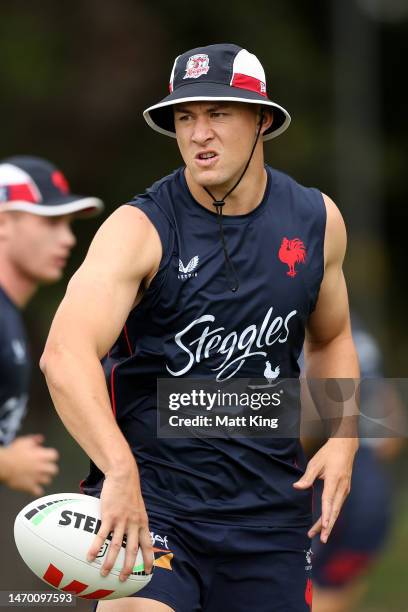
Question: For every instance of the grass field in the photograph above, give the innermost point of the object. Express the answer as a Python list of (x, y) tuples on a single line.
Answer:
[(388, 583)]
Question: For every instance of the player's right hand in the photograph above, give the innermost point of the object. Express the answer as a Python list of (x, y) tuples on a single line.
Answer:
[(123, 514), (27, 465)]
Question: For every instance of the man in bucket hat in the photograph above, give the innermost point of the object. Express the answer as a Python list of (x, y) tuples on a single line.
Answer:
[(36, 209), (216, 272)]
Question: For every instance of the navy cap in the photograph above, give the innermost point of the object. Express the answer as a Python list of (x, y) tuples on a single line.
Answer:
[(34, 185), (221, 72)]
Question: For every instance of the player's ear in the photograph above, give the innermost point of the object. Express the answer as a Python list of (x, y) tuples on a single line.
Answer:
[(4, 225), (266, 118)]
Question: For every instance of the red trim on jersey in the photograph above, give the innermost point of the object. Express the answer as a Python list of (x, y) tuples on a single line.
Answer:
[(112, 383), (125, 331), (81, 486), (243, 81), (309, 593)]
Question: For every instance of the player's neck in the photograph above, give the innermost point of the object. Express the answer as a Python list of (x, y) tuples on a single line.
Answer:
[(244, 198), (18, 286)]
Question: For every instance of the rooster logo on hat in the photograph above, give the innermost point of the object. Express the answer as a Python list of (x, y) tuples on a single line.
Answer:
[(196, 66)]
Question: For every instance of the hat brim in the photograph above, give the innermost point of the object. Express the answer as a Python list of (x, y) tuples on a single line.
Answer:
[(160, 116), (65, 205)]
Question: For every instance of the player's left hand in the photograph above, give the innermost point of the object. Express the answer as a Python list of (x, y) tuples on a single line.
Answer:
[(333, 463)]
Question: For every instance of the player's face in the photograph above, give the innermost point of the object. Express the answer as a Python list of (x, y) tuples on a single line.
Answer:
[(215, 139), (38, 246)]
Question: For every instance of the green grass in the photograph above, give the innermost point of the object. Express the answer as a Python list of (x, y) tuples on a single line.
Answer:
[(388, 583)]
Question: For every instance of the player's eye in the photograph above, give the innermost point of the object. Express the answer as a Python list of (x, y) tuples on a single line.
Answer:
[(218, 114), (185, 117), (52, 221)]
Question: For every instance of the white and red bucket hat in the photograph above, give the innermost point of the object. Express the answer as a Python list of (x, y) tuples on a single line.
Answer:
[(32, 184), (221, 72)]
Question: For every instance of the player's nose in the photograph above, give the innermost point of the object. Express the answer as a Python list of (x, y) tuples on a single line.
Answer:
[(67, 236), (202, 130)]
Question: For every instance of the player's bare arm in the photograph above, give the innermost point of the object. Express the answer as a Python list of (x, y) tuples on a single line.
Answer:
[(330, 353), (122, 259)]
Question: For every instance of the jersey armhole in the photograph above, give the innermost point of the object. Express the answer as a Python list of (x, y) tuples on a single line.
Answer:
[(321, 223), (166, 235)]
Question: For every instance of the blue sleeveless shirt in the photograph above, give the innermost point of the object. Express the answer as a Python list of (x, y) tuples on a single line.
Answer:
[(190, 324), (15, 369)]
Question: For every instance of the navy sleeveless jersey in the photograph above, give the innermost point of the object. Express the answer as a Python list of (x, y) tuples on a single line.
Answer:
[(189, 323), (14, 369)]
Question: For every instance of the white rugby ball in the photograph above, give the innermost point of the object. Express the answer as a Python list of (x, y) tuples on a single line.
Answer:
[(53, 535)]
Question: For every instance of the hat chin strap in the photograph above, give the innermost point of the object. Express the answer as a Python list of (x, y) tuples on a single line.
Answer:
[(232, 276)]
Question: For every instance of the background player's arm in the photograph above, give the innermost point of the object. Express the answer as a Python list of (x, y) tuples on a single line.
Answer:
[(125, 252), (26, 465), (330, 353)]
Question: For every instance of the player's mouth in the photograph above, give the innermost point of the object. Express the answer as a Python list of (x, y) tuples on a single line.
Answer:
[(60, 261), (206, 159)]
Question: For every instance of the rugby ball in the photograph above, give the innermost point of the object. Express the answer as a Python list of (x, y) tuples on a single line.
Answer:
[(53, 535)]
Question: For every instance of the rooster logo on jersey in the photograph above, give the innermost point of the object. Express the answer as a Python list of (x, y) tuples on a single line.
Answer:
[(270, 374), (292, 252)]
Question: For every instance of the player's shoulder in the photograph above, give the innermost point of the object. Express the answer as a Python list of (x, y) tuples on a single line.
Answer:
[(125, 248), (123, 237), (159, 190), (157, 202), (333, 211), (279, 177), (11, 322), (9, 312), (310, 198), (335, 242)]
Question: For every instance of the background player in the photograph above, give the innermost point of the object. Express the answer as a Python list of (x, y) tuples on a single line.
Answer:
[(358, 538), (36, 211), (168, 273)]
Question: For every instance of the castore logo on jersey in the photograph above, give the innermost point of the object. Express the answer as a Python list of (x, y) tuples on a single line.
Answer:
[(188, 271)]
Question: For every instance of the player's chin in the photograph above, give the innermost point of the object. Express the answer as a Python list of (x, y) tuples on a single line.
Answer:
[(208, 177), (50, 275)]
